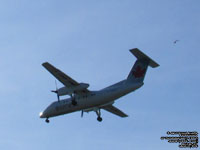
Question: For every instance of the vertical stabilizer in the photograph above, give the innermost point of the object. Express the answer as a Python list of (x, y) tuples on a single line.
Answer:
[(139, 69)]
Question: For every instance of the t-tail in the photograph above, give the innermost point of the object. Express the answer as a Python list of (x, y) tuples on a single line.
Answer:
[(139, 69)]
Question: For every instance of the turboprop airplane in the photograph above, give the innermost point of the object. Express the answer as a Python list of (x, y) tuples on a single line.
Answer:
[(84, 100)]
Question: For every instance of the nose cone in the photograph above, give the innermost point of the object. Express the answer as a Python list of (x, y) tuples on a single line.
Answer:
[(42, 115)]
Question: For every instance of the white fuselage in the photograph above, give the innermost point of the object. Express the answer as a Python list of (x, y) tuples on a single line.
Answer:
[(90, 101)]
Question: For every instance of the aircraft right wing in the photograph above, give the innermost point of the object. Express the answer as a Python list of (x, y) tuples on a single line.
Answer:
[(62, 77), (114, 110)]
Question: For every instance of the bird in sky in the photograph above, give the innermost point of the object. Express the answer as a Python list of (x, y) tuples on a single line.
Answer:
[(176, 41)]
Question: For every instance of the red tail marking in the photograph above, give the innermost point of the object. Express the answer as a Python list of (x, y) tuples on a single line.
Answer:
[(139, 72)]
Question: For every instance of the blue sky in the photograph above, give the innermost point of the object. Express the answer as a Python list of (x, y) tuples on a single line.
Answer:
[(89, 40)]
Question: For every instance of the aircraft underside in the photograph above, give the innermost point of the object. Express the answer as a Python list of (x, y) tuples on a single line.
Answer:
[(95, 103)]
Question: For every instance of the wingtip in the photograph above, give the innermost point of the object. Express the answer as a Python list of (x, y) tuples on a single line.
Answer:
[(133, 49), (43, 64)]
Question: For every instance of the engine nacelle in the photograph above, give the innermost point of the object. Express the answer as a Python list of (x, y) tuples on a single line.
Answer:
[(83, 86), (68, 91)]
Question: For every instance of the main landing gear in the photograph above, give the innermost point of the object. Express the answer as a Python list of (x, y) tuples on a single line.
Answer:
[(98, 112), (74, 102), (47, 120)]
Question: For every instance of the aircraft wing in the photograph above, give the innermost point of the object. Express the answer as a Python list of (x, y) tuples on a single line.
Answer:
[(114, 110), (62, 77)]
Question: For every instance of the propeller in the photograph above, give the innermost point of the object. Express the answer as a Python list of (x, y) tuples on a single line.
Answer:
[(56, 91)]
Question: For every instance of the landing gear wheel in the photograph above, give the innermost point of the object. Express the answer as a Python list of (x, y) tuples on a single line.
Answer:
[(99, 119), (98, 112), (74, 102), (47, 120)]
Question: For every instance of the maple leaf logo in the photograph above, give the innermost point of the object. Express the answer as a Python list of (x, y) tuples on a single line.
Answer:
[(138, 72)]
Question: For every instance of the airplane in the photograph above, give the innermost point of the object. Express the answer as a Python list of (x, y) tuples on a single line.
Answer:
[(84, 100)]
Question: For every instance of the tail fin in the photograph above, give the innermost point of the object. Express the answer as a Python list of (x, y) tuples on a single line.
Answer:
[(139, 69)]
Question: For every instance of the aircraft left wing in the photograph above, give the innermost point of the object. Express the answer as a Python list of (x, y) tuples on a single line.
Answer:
[(114, 110), (62, 77)]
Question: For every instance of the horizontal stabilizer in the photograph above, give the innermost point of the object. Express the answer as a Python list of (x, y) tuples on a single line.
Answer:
[(140, 55)]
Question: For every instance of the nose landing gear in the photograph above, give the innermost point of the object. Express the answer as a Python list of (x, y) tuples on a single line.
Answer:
[(47, 120)]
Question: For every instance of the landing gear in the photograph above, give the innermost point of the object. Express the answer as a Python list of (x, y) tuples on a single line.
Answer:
[(74, 102), (99, 119), (47, 120), (98, 112)]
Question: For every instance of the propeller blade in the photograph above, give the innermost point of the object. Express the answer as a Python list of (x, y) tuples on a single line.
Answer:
[(54, 91), (58, 97), (56, 85)]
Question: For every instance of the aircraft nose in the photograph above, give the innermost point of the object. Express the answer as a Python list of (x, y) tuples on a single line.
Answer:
[(42, 115)]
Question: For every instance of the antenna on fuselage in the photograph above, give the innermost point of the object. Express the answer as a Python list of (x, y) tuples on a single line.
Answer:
[(56, 91)]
